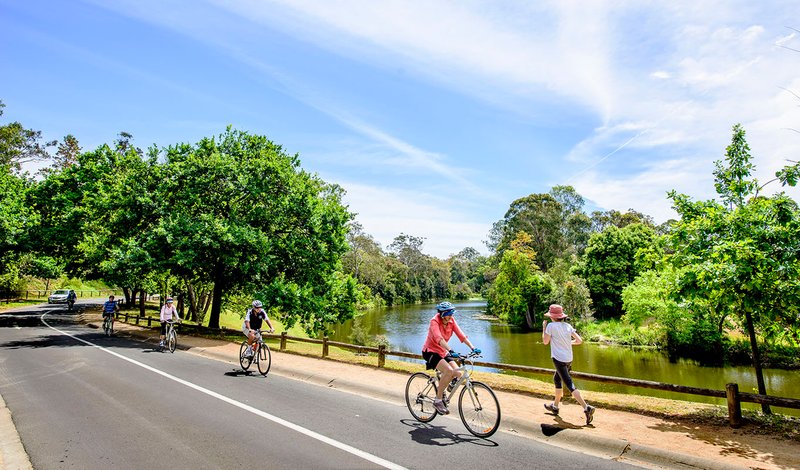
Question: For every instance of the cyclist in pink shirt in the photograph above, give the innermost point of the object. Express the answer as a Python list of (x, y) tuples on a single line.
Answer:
[(437, 353)]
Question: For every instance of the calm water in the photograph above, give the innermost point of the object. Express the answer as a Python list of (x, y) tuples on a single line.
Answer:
[(407, 326)]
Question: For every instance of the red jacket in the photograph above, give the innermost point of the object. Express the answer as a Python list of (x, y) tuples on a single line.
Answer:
[(437, 330)]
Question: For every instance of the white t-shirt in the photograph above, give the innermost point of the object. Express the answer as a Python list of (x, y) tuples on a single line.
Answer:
[(560, 340)]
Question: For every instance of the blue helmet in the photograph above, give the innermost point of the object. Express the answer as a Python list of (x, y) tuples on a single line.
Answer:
[(445, 308)]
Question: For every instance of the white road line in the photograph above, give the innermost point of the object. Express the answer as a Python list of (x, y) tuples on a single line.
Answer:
[(314, 435)]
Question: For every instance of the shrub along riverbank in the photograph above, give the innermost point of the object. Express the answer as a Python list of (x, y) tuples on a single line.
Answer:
[(713, 350)]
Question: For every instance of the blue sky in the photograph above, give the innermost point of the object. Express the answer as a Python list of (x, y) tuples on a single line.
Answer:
[(433, 116)]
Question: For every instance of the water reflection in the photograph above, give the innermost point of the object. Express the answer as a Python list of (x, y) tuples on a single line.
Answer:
[(406, 327)]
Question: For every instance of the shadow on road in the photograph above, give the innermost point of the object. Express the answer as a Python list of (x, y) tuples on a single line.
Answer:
[(31, 318), (424, 433), (239, 373)]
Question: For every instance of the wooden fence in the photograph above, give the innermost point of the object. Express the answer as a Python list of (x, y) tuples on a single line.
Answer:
[(731, 393), (9, 296)]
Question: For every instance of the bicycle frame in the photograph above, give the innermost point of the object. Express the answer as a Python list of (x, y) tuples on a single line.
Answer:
[(465, 367)]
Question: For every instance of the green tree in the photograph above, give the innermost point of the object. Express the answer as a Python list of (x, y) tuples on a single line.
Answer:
[(19, 145), (67, 152), (609, 264), (741, 256), (16, 218), (541, 217), (243, 215), (575, 225), (520, 289)]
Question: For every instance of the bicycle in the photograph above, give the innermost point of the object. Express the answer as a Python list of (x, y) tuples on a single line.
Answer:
[(170, 337), (261, 355), (477, 403), (108, 325)]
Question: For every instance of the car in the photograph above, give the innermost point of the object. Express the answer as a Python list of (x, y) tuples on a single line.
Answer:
[(60, 296)]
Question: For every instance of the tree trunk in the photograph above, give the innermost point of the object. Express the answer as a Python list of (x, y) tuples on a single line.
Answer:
[(762, 388), (142, 295), (528, 318), (126, 292), (216, 305), (192, 301)]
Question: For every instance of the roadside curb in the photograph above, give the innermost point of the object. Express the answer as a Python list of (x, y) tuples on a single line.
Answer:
[(573, 439), (12, 452)]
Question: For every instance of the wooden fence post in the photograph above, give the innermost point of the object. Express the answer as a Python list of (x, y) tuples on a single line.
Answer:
[(734, 405), (324, 346), (283, 341), (381, 355), (149, 322)]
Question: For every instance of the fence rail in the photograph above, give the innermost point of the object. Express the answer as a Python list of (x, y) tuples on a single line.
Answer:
[(731, 393), (13, 295)]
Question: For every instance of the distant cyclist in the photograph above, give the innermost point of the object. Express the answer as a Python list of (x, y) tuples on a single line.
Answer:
[(253, 319), (110, 308), (71, 297), (168, 312), (437, 352)]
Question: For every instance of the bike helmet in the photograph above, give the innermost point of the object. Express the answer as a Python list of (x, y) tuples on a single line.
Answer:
[(445, 309), (169, 299), (257, 304)]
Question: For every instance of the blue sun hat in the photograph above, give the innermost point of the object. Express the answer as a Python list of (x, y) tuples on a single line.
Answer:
[(446, 309)]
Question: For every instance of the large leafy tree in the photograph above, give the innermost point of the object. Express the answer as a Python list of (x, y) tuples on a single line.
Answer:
[(243, 215), (741, 255), (541, 216)]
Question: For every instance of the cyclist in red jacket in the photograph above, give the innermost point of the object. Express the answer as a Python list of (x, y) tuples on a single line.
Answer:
[(437, 352)]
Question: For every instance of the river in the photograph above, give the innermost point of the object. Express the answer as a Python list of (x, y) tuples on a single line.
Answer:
[(406, 327)]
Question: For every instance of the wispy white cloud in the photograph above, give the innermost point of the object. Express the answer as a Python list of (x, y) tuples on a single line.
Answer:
[(661, 83), (442, 219)]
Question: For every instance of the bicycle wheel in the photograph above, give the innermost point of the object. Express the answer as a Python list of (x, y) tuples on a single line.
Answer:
[(480, 411), (172, 340), (107, 326), (244, 361), (264, 359), (420, 393)]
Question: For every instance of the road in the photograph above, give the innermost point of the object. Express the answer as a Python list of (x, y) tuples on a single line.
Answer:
[(83, 400)]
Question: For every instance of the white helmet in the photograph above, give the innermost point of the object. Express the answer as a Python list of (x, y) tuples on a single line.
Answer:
[(257, 304)]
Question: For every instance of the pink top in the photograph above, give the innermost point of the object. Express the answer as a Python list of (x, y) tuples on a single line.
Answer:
[(167, 312), (438, 330)]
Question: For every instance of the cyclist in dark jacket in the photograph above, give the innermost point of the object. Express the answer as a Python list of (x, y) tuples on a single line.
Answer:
[(252, 322)]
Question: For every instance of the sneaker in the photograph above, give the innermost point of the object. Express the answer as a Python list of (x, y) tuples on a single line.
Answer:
[(551, 408), (248, 352), (440, 407), (589, 412)]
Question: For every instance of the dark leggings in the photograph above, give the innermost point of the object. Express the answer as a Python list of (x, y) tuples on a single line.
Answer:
[(562, 374), (163, 328)]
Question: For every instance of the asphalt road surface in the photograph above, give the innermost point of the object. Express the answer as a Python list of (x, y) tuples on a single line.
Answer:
[(80, 399)]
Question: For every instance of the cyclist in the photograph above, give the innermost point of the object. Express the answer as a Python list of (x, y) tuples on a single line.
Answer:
[(110, 308), (437, 352), (168, 311), (252, 323), (71, 299)]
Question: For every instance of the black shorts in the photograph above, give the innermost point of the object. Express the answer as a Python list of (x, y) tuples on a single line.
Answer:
[(432, 359)]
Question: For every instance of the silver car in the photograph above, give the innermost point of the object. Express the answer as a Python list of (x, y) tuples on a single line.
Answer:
[(60, 296)]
